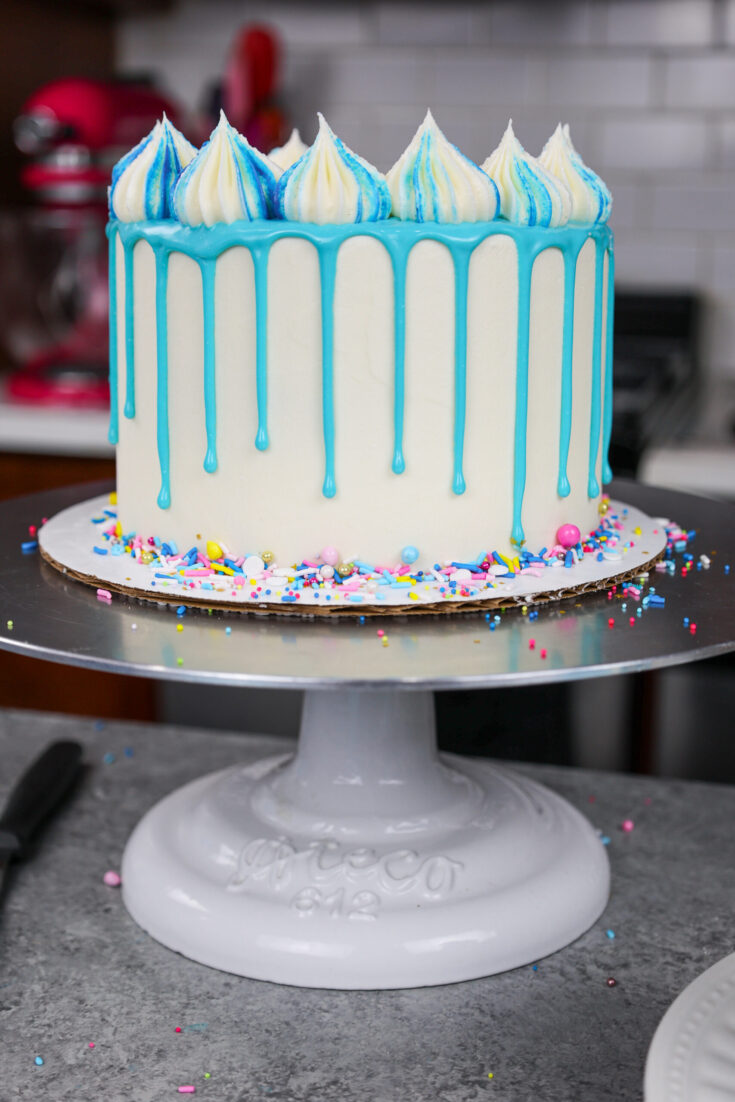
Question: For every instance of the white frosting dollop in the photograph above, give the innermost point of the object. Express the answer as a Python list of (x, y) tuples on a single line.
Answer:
[(228, 181), (591, 199), (432, 181), (330, 183), (144, 179), (529, 194), (289, 153)]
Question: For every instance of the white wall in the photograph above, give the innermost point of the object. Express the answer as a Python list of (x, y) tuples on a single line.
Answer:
[(647, 85)]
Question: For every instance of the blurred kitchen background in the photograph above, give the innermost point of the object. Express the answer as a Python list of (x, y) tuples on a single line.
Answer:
[(648, 87)]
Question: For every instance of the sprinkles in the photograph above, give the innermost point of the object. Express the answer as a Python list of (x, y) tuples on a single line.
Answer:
[(331, 577)]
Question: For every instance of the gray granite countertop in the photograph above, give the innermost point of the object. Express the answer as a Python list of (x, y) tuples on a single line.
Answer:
[(74, 968)]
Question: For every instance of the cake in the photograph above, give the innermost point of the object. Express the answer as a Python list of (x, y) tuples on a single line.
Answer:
[(306, 354)]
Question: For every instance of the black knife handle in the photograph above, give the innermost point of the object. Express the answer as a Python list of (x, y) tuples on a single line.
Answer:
[(37, 793)]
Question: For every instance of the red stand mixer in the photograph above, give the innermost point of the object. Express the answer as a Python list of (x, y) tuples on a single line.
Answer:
[(55, 296)]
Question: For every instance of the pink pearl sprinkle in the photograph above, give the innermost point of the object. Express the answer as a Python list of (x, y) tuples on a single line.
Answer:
[(187, 1089), (91, 1044), (112, 879), (627, 825), (380, 631)]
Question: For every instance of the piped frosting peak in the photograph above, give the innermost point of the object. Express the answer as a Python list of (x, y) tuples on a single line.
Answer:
[(143, 181), (432, 181), (591, 199), (529, 194), (289, 153), (331, 184), (228, 181)]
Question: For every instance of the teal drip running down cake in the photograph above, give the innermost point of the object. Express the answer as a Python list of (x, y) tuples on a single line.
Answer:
[(306, 353)]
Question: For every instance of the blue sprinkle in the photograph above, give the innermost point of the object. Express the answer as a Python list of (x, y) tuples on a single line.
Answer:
[(600, 556), (610, 934), (108, 759), (686, 621), (166, 576), (38, 1061), (117, 549), (166, 549), (362, 619), (99, 725), (98, 520), (409, 554), (128, 751), (110, 513), (492, 626), (535, 968), (207, 585), (181, 610), (605, 840), (100, 550), (30, 546), (228, 631), (727, 568), (568, 559), (356, 596), (288, 600)]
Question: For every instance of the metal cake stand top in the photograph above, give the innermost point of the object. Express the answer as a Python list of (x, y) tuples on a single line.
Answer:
[(62, 620)]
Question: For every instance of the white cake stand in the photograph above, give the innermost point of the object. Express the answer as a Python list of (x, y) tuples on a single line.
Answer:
[(366, 859)]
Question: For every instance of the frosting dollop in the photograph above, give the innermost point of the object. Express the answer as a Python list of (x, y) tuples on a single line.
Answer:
[(591, 198), (228, 181), (143, 181), (433, 182), (529, 194), (289, 153), (330, 183)]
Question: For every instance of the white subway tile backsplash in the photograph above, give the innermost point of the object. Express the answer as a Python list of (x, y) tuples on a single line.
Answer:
[(540, 23), (705, 80), (659, 22), (376, 77), (656, 260), (726, 144), (654, 142), (415, 23), (707, 206), (485, 77), (599, 79)]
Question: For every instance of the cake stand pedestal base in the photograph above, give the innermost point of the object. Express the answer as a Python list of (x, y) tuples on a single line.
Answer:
[(366, 859)]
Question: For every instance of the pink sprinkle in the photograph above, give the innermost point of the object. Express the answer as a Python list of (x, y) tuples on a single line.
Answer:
[(203, 559), (112, 879), (543, 652), (178, 1029), (534, 570), (627, 825), (306, 562), (380, 631), (31, 529), (531, 644), (187, 1090), (91, 1044), (197, 572), (104, 595)]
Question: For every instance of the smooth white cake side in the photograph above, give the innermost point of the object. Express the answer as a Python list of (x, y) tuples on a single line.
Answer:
[(273, 500)]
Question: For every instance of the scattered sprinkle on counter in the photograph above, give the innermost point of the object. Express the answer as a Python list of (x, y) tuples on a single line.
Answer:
[(112, 879), (38, 1061), (627, 825)]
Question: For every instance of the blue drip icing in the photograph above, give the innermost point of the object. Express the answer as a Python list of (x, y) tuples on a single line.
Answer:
[(210, 391), (608, 408), (461, 278), (206, 244), (162, 433), (593, 486), (526, 257), (129, 409), (398, 261), (328, 273), (567, 360), (260, 255), (112, 432)]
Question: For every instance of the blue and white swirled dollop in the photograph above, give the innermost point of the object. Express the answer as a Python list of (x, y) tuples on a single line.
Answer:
[(591, 198), (290, 152), (143, 181), (228, 181), (331, 184), (529, 194), (432, 181)]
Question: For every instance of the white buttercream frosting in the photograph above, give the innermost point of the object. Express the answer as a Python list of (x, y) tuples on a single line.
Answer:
[(529, 194), (288, 154), (143, 181), (228, 181), (591, 199), (432, 181), (330, 183)]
